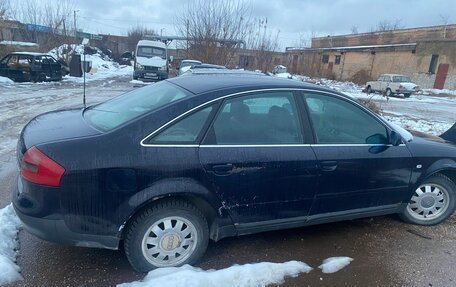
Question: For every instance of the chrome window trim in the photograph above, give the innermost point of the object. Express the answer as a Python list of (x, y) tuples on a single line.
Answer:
[(142, 142), (257, 145), (270, 145)]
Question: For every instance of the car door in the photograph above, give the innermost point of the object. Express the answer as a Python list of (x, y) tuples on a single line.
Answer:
[(361, 170), (55, 71), (257, 159), (4, 66)]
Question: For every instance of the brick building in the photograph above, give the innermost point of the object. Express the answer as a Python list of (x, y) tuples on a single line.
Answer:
[(427, 55)]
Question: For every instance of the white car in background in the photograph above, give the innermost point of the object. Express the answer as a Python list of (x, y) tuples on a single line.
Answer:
[(392, 84), (185, 65), (281, 72)]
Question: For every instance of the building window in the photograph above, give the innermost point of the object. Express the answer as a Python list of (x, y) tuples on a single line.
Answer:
[(337, 60), (433, 64), (325, 59)]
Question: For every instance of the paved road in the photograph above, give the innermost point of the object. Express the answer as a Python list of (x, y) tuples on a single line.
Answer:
[(386, 251)]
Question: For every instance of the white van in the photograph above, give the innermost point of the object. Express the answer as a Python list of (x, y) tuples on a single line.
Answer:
[(151, 61)]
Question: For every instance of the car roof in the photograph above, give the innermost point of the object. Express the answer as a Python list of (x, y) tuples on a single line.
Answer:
[(237, 82), (190, 61), (29, 53), (208, 66)]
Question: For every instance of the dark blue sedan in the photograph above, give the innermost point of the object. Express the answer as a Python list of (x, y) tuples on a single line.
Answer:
[(167, 167)]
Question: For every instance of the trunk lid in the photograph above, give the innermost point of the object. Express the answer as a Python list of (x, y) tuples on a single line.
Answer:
[(55, 126)]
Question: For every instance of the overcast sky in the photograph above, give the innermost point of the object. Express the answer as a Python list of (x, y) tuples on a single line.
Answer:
[(294, 18)]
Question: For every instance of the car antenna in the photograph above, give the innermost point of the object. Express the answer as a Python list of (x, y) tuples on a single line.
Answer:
[(86, 67)]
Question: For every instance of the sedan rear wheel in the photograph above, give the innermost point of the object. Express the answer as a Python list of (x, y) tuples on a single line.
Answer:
[(168, 234), (433, 201)]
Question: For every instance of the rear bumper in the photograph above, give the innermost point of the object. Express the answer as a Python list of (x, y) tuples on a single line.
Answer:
[(55, 230), (50, 226), (404, 91)]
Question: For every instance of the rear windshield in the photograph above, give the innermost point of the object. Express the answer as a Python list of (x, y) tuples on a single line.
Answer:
[(119, 110)]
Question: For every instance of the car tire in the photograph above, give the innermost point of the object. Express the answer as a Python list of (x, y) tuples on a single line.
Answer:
[(369, 90), (432, 202), (407, 95), (388, 92), (168, 234), (40, 78)]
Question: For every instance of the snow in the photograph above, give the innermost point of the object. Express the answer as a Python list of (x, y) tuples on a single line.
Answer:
[(248, 275), (17, 43), (439, 92), (334, 264), (103, 67), (9, 226), (4, 80)]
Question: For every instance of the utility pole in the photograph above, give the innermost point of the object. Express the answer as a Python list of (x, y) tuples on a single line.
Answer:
[(74, 19)]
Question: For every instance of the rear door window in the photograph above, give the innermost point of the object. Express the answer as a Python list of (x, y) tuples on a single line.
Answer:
[(262, 118)]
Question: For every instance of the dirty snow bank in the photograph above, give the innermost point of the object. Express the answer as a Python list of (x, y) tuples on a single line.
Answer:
[(4, 80), (248, 275), (103, 67), (334, 264), (439, 92), (9, 226)]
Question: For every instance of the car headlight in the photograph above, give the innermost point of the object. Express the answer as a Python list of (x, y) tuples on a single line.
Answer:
[(163, 68), (138, 66)]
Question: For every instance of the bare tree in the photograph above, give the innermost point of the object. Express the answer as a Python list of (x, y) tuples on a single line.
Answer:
[(445, 20), (213, 28), (305, 39), (5, 9), (263, 43), (48, 23), (137, 33), (387, 25), (354, 29)]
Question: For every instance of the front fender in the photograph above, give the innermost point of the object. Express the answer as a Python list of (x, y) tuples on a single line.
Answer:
[(439, 165)]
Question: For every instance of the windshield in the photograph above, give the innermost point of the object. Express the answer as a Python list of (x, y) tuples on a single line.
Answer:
[(149, 52), (401, 79), (115, 112)]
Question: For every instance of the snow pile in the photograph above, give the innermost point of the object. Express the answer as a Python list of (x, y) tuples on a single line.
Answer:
[(4, 80), (9, 226), (248, 275), (439, 92), (334, 264), (17, 43), (103, 67)]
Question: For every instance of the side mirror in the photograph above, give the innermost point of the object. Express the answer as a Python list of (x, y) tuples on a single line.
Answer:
[(395, 138)]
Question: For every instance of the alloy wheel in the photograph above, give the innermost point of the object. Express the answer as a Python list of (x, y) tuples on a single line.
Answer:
[(169, 241), (429, 201)]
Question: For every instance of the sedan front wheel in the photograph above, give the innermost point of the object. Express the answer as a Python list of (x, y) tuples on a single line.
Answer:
[(432, 202)]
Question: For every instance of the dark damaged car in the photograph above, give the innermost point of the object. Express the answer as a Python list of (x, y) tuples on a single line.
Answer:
[(163, 169), (30, 67)]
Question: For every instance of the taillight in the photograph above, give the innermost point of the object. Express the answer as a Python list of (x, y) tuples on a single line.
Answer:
[(36, 167)]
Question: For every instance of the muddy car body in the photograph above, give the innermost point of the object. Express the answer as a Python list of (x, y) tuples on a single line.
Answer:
[(28, 66), (169, 166)]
